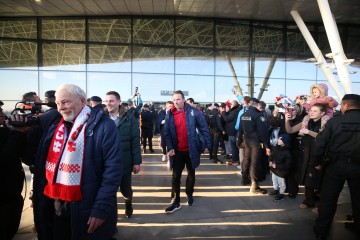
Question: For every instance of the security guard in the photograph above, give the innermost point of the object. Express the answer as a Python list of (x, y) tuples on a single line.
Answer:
[(253, 131), (341, 140)]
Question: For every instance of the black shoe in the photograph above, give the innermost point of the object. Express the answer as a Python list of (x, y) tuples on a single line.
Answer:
[(173, 207), (227, 156), (210, 156), (273, 193), (291, 195), (217, 161), (279, 197), (190, 200), (259, 190), (152, 150), (128, 210)]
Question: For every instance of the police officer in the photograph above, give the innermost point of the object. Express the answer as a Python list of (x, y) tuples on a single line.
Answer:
[(213, 118), (253, 131), (341, 140)]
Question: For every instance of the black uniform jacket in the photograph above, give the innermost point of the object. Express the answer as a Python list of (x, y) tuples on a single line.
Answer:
[(342, 138)]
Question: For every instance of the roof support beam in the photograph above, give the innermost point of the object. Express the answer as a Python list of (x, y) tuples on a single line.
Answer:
[(337, 54), (320, 60)]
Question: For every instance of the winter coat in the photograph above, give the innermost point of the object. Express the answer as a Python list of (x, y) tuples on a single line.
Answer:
[(328, 101), (281, 156), (100, 180), (230, 120), (307, 173), (130, 142), (195, 121)]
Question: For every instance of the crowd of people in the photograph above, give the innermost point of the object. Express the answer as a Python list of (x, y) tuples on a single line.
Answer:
[(81, 152)]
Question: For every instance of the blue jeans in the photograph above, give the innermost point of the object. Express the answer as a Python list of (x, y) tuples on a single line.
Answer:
[(234, 148), (278, 183)]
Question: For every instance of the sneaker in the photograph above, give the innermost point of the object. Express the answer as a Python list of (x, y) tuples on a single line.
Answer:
[(273, 193), (258, 190), (163, 158), (279, 197), (173, 207), (128, 210), (190, 200)]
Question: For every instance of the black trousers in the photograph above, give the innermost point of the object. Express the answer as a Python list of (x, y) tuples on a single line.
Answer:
[(126, 189), (252, 163), (10, 214), (147, 135), (332, 184), (182, 159), (214, 134)]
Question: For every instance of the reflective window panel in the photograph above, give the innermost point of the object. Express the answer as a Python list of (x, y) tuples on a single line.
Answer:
[(99, 84), (275, 87), (154, 31), (64, 56), (110, 30), (156, 87), (51, 80), (109, 58), (194, 33), (200, 88), (267, 40), (14, 83), (268, 65), (18, 54), (224, 88), (61, 29), (226, 60), (24, 28), (194, 61), (300, 69), (232, 37), (153, 60)]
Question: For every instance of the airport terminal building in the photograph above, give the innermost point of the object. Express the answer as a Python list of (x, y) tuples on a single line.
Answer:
[(205, 48)]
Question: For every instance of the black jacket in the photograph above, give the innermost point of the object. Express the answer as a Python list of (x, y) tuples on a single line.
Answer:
[(282, 158), (11, 174), (342, 138), (230, 120)]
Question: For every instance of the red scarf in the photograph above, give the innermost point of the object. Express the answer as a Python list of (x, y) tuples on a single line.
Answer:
[(65, 160)]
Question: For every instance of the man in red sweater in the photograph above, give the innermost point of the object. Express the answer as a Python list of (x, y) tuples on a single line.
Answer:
[(187, 136)]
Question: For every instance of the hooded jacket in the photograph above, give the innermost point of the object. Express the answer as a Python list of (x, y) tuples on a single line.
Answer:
[(195, 122), (323, 99)]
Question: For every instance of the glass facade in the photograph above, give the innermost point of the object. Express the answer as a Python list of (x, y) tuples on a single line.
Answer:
[(199, 56)]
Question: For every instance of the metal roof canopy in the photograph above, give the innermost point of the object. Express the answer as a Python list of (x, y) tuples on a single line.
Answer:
[(345, 11)]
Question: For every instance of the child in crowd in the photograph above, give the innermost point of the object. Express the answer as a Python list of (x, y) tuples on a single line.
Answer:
[(279, 162), (319, 94)]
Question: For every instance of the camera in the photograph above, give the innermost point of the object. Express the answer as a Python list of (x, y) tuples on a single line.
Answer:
[(29, 111)]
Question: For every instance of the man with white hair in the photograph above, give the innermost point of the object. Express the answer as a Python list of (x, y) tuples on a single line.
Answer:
[(78, 170)]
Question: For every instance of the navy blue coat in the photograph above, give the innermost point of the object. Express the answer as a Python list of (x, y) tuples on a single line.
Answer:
[(194, 121), (101, 178)]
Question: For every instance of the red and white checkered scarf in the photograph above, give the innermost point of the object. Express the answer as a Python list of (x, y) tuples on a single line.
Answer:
[(65, 160)]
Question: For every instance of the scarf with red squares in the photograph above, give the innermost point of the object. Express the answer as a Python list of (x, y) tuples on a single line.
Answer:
[(65, 160)]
